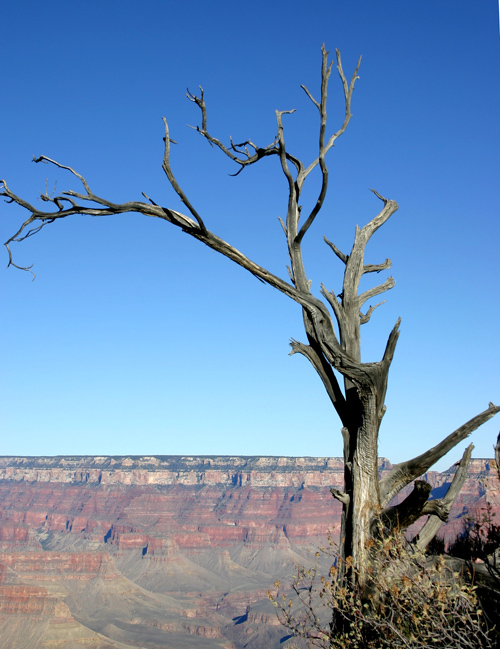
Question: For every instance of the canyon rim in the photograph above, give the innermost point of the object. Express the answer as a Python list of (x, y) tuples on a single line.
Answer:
[(155, 551)]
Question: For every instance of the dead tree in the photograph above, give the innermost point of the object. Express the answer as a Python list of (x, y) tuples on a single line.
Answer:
[(332, 324)]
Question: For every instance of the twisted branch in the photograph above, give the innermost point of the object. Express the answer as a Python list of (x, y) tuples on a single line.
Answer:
[(238, 153)]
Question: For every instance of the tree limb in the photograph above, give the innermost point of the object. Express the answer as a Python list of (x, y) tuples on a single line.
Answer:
[(364, 318), (175, 185), (247, 159), (348, 90), (376, 268), (340, 496), (434, 523), (391, 345), (354, 270), (325, 75), (98, 206), (376, 290), (405, 472), (326, 375), (239, 153), (435, 508), (323, 149), (336, 307), (407, 512), (338, 252)]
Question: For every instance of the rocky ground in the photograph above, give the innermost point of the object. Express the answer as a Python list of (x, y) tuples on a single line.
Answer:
[(122, 552)]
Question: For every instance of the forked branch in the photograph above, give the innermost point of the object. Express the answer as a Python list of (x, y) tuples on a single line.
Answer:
[(347, 310), (175, 185), (365, 317), (402, 474), (417, 505), (98, 206), (323, 149), (355, 266), (239, 153), (67, 204)]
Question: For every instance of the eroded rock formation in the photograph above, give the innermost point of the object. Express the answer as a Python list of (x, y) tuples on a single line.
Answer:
[(128, 552)]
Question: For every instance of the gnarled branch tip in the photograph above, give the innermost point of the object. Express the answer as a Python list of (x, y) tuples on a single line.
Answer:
[(385, 200)]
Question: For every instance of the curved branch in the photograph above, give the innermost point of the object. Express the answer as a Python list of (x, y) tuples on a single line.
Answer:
[(376, 290), (326, 375), (376, 268), (175, 185), (364, 318), (405, 472), (235, 152), (282, 153), (434, 523), (311, 304), (323, 149), (45, 217), (325, 76), (378, 221), (46, 160), (293, 211)]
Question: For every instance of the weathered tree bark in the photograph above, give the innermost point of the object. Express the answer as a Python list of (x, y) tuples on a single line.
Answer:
[(332, 325)]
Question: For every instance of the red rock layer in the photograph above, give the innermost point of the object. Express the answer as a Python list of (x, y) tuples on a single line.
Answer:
[(216, 530)]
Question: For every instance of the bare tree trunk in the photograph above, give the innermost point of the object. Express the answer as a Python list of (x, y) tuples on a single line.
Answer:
[(361, 484)]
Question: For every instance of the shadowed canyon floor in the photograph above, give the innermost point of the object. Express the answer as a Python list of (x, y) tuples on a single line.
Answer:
[(178, 552)]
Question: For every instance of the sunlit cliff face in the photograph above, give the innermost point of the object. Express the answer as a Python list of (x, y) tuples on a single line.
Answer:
[(167, 550)]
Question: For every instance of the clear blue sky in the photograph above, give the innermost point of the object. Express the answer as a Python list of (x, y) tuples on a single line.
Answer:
[(136, 339)]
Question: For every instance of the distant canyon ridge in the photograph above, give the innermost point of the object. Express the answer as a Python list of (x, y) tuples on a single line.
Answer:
[(167, 551)]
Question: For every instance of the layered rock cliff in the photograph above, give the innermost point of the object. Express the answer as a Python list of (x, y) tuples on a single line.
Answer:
[(168, 551)]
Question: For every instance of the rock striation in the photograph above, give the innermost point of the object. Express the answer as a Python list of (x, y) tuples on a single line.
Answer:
[(168, 551)]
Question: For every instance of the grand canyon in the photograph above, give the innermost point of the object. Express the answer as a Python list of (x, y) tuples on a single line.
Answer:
[(164, 551)]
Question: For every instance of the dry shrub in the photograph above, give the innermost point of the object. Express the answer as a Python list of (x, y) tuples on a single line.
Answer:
[(412, 601)]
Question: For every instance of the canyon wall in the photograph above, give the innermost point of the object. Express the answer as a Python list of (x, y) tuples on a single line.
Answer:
[(169, 551)]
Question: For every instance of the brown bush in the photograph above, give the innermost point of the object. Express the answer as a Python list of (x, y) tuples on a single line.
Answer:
[(413, 601)]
